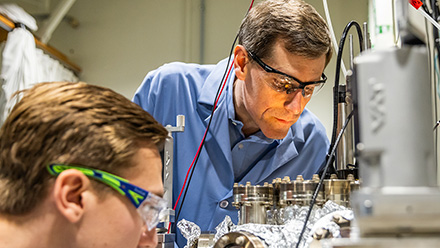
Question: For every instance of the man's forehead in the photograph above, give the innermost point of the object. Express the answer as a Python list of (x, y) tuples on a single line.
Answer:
[(146, 171)]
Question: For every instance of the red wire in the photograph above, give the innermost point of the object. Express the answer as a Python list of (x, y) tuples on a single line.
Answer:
[(201, 143), (250, 7)]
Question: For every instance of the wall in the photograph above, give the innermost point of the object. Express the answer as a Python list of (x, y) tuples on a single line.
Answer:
[(117, 43)]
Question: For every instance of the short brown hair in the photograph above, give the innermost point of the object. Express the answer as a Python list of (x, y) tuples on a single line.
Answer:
[(73, 123), (296, 23)]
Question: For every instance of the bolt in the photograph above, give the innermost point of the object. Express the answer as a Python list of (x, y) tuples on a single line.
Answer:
[(368, 204), (360, 146), (224, 240), (315, 177), (240, 241)]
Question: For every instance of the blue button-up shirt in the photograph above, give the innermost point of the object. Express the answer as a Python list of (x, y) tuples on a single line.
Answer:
[(227, 156)]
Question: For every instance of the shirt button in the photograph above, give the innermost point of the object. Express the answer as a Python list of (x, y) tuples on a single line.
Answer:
[(240, 146), (224, 204), (235, 123)]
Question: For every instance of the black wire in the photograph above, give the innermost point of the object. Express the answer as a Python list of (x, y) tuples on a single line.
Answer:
[(321, 180), (337, 75), (209, 123), (436, 125)]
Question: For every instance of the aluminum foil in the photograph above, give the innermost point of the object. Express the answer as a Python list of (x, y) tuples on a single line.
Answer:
[(190, 231), (224, 227), (285, 235), (327, 222)]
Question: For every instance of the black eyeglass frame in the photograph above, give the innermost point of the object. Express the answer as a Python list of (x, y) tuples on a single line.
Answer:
[(269, 69)]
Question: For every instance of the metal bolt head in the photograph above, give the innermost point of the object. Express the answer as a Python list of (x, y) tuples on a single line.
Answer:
[(315, 177), (368, 204), (360, 146), (240, 241), (225, 239)]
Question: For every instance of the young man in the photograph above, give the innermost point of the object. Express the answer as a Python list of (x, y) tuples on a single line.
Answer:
[(260, 129), (79, 167)]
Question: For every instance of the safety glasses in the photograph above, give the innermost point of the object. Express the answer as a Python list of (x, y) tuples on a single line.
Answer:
[(283, 82), (149, 205)]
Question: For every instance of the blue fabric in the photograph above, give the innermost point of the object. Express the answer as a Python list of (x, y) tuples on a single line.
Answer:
[(227, 156)]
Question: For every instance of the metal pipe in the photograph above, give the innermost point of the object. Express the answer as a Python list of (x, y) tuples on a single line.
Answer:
[(54, 20), (351, 57), (367, 44)]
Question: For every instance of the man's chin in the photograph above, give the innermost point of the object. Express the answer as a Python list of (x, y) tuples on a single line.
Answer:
[(275, 134)]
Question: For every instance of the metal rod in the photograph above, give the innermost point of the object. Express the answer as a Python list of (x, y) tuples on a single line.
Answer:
[(54, 20), (366, 37), (350, 41)]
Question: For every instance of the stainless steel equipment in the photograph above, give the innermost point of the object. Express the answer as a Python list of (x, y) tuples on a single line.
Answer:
[(253, 202), (398, 204), (399, 192), (338, 190), (300, 192), (239, 239), (266, 204)]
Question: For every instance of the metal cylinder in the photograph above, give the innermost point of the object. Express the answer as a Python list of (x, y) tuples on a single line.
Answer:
[(239, 239), (300, 192), (253, 202), (205, 240), (345, 149), (337, 190)]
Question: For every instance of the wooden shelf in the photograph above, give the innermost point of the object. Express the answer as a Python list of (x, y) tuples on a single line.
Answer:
[(7, 26)]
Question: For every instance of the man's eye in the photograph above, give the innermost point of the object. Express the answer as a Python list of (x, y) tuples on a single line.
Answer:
[(309, 89), (287, 87), (282, 86)]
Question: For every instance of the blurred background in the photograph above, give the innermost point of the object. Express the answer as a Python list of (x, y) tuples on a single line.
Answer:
[(116, 43)]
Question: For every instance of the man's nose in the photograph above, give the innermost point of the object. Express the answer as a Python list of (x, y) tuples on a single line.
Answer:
[(148, 238), (294, 102)]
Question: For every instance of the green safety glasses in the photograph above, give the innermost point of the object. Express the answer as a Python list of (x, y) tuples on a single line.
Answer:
[(149, 205)]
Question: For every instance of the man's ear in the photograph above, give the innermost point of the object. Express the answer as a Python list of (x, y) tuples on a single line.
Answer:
[(69, 189), (240, 62)]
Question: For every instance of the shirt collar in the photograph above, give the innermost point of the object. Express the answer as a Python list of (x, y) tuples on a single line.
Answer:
[(212, 82)]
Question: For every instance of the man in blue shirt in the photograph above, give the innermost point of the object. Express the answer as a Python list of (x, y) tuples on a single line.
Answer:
[(260, 129)]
